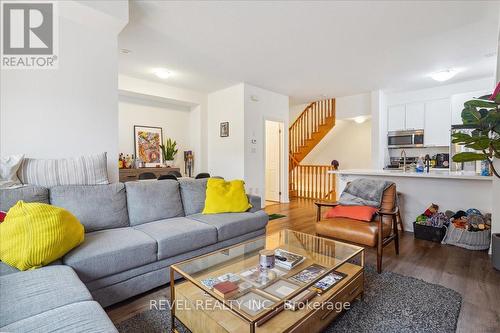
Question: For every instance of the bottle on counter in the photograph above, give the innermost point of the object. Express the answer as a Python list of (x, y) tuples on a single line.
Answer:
[(420, 165)]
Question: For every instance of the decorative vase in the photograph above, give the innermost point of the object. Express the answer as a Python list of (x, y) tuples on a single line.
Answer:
[(495, 250), (169, 163)]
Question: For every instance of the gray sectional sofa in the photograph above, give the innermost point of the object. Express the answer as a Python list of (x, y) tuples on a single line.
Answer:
[(133, 233)]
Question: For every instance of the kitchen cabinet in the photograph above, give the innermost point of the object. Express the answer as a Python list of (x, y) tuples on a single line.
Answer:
[(396, 118), (457, 104), (415, 113), (437, 123)]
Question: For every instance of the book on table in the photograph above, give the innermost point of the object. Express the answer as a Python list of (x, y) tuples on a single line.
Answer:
[(226, 289)]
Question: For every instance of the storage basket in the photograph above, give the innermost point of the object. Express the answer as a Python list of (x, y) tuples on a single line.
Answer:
[(471, 240), (427, 232)]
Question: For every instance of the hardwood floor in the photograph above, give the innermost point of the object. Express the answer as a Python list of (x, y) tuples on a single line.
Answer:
[(468, 272)]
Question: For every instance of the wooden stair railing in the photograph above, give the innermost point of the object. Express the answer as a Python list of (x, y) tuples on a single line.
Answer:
[(317, 119), (313, 182)]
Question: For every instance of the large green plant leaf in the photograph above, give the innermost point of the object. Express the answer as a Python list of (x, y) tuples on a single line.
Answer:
[(480, 103), (479, 144), (461, 138), (470, 116), (468, 157)]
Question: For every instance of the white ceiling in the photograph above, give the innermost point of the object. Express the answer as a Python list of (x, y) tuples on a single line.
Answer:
[(306, 49)]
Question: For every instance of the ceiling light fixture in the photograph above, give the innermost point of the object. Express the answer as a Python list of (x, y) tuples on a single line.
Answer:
[(162, 73), (359, 119), (443, 75)]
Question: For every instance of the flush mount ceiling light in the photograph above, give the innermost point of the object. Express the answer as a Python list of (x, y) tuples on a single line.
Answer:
[(162, 73), (444, 75)]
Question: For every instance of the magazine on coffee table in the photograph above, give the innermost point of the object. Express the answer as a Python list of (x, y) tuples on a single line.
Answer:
[(309, 273), (287, 259), (328, 281)]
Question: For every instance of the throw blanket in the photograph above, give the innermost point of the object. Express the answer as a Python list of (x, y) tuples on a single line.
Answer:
[(364, 192)]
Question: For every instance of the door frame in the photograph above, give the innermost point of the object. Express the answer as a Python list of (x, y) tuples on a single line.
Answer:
[(283, 167)]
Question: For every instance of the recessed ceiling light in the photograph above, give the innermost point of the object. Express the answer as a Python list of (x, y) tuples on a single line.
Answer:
[(162, 73), (125, 51), (359, 119), (444, 75)]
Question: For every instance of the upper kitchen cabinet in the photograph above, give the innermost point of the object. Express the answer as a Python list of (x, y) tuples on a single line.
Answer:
[(415, 113), (457, 104), (396, 118), (437, 123)]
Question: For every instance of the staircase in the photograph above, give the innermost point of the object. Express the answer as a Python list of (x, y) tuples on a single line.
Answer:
[(317, 119), (311, 181)]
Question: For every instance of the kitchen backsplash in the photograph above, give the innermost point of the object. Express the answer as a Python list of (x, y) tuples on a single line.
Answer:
[(415, 152)]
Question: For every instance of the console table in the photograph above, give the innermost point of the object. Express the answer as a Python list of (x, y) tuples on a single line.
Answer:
[(127, 175)]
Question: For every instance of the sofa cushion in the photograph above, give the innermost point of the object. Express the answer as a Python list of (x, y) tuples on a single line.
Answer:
[(231, 225), (97, 207), (35, 234), (153, 200), (26, 294), (7, 269), (107, 252), (179, 235), (81, 317), (30, 193), (193, 192)]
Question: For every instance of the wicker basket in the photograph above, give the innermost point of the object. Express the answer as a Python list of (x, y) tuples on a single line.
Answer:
[(472, 240)]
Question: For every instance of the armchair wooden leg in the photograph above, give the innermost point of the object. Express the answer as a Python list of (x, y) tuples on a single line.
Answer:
[(380, 246), (396, 236)]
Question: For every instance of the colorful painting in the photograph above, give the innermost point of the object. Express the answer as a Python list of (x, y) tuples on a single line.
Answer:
[(147, 145)]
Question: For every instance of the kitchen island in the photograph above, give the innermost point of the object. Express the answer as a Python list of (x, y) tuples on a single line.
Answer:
[(449, 190)]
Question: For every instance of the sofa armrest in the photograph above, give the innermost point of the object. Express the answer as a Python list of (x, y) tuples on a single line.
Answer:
[(255, 202)]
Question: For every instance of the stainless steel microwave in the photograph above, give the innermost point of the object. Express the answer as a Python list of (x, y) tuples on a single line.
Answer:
[(405, 139)]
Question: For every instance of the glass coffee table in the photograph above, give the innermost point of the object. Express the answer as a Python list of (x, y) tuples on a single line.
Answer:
[(326, 278)]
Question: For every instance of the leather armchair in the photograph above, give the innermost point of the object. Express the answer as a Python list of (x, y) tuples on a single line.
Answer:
[(378, 233)]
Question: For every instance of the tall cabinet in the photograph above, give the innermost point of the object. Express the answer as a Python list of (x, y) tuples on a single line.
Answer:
[(437, 122)]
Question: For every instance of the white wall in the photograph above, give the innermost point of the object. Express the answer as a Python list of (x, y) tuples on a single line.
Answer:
[(72, 110), (174, 121), (261, 105), (197, 102), (348, 142), (438, 92), (226, 155), (379, 129), (346, 107)]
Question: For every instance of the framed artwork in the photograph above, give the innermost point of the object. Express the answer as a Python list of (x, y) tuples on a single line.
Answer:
[(224, 129), (147, 142)]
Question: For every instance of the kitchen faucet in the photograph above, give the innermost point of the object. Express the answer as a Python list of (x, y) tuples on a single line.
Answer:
[(403, 154)]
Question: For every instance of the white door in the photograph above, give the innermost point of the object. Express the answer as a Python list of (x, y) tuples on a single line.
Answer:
[(273, 155), (396, 118), (437, 123), (415, 116)]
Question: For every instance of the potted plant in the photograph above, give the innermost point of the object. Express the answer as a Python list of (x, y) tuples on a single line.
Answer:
[(483, 114), (169, 150)]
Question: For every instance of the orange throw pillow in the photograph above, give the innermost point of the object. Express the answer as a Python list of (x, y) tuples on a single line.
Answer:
[(363, 213)]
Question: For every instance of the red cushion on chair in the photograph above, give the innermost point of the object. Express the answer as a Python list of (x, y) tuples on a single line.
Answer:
[(363, 213)]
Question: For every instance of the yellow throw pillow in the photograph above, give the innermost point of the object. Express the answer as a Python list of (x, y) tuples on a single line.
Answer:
[(225, 197), (35, 234)]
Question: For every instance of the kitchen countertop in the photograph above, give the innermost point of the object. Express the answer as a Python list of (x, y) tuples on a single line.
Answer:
[(439, 174)]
